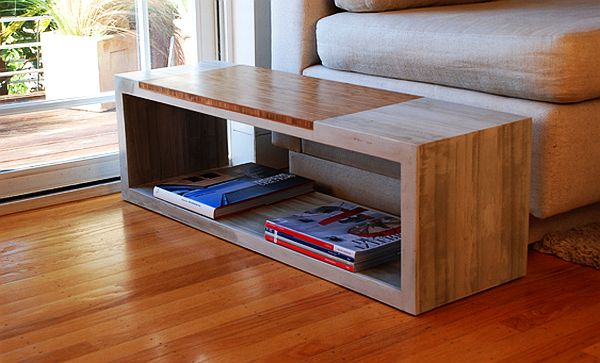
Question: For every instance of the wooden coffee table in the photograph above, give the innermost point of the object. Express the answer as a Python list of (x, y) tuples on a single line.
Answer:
[(464, 171)]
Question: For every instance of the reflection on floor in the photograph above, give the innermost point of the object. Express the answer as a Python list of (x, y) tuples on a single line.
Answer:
[(47, 137), (103, 280)]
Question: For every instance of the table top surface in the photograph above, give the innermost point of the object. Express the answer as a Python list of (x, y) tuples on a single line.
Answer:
[(313, 104)]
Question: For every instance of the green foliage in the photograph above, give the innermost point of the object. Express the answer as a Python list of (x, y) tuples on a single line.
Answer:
[(74, 17), (94, 18), (18, 59)]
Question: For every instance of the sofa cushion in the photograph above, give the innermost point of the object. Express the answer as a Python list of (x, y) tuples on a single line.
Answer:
[(565, 149), (545, 50), (385, 5)]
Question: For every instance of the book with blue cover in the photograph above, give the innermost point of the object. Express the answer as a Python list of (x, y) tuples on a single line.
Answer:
[(223, 191)]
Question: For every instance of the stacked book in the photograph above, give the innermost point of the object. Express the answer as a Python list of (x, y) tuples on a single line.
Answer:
[(344, 235), (219, 192)]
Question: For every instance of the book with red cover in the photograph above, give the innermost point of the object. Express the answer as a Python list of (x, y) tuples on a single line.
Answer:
[(364, 235), (311, 253)]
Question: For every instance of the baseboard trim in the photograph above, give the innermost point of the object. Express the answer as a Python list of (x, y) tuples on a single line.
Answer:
[(64, 196)]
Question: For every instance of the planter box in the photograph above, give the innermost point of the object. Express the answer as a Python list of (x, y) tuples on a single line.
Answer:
[(76, 66)]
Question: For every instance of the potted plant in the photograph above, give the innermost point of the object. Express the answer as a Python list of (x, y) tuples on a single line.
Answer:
[(85, 42)]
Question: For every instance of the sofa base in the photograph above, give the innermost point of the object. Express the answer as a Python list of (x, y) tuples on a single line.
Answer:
[(563, 222)]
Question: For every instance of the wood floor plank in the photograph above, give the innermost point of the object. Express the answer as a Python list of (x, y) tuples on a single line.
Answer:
[(98, 255), (594, 349), (99, 258), (562, 345), (144, 347), (305, 341), (442, 330), (159, 306), (79, 291), (102, 280), (236, 334), (152, 315)]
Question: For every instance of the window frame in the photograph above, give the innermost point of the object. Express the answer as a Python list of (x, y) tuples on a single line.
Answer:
[(25, 182)]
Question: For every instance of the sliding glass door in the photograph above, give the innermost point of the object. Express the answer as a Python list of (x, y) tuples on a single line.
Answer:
[(57, 61)]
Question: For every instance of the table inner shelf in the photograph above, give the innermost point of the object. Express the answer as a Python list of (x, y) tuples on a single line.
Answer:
[(251, 225)]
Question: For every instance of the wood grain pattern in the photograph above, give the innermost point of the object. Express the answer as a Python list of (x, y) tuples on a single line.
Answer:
[(277, 96), (163, 141), (102, 280), (473, 212), (52, 136), (393, 132), (465, 184)]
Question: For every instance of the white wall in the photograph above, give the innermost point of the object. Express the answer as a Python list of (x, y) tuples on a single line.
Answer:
[(251, 32), (241, 51), (250, 37), (243, 35)]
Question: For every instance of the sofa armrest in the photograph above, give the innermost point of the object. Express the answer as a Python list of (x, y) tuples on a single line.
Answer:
[(293, 33)]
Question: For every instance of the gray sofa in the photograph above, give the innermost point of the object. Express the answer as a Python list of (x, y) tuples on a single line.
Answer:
[(539, 58)]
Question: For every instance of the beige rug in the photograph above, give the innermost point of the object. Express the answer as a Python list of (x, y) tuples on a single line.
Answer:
[(580, 245)]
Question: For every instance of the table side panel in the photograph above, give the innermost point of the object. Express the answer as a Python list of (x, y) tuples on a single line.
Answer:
[(409, 203), (473, 202), (164, 141), (278, 96)]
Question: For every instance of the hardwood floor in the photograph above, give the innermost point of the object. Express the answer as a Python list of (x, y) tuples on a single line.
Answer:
[(52, 136), (102, 280)]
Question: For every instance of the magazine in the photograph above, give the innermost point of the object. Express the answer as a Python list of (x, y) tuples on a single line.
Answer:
[(346, 229), (284, 236), (324, 255), (223, 191)]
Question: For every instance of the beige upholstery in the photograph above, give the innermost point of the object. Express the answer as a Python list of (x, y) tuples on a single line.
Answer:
[(566, 144), (295, 35), (385, 5), (566, 167), (534, 49)]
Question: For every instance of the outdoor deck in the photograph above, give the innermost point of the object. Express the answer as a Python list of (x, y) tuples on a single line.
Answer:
[(47, 137)]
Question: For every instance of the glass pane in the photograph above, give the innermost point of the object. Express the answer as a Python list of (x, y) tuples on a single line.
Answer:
[(50, 137), (62, 49), (172, 32), (20, 63), (55, 50)]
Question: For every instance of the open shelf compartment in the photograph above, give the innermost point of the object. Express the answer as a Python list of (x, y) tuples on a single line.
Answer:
[(246, 229)]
